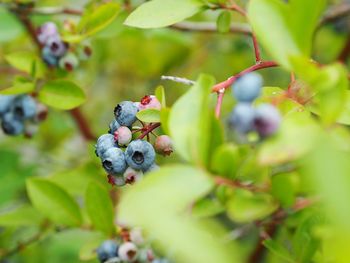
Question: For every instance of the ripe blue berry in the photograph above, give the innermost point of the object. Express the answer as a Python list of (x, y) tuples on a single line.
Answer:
[(123, 136), (242, 118), (113, 161), (107, 250), (11, 125), (128, 252), (140, 155), (267, 120), (104, 142), (24, 107), (248, 87), (5, 103), (125, 113), (48, 57), (56, 46), (113, 127), (46, 31), (69, 62)]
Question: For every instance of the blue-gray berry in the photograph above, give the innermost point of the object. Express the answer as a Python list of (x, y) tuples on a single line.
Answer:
[(107, 250), (113, 127), (267, 120), (113, 161), (125, 113), (104, 142), (24, 107), (242, 118), (48, 57), (140, 155), (57, 46), (5, 103), (11, 125), (248, 87)]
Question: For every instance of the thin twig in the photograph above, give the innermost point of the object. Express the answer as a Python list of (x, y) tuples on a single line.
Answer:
[(179, 80), (237, 184), (149, 129)]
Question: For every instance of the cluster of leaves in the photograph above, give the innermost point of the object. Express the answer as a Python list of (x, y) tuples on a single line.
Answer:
[(251, 188)]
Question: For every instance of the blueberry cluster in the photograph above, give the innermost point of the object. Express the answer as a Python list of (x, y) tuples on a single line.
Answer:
[(264, 119), (20, 114), (133, 248), (56, 52), (125, 159)]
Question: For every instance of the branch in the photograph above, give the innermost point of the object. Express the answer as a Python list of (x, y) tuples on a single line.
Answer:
[(179, 80), (55, 11), (148, 129), (237, 184)]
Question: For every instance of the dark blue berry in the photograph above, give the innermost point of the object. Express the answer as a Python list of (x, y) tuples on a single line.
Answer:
[(267, 120), (242, 118), (113, 161), (48, 57), (24, 107), (113, 126), (5, 103), (11, 125), (104, 142), (107, 250), (57, 46), (248, 87), (140, 155), (125, 113)]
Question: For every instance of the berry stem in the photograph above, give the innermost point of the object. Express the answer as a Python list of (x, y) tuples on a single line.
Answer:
[(148, 129), (237, 184), (221, 95)]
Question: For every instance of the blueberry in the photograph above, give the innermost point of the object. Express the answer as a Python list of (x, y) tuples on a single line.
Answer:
[(113, 161), (46, 31), (125, 113), (24, 107), (107, 250), (11, 125), (149, 102), (140, 155), (48, 57), (128, 251), (242, 118), (113, 127), (5, 103), (69, 62), (57, 46), (267, 120), (104, 142), (248, 87), (123, 136), (163, 145)]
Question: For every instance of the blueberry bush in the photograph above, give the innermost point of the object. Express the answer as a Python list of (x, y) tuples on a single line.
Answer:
[(184, 131)]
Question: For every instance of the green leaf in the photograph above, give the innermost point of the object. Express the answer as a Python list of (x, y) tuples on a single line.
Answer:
[(278, 250), (283, 188), (246, 206), (164, 119), (100, 208), (24, 61), (20, 85), (344, 117), (290, 26), (190, 122), (157, 205), (223, 22), (10, 27), (162, 13), (160, 94), (54, 202), (61, 94), (149, 115), (22, 216), (225, 160), (207, 208)]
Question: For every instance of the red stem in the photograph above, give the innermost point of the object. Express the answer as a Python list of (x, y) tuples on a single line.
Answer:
[(82, 124), (219, 104), (256, 49), (149, 129), (227, 83), (237, 184)]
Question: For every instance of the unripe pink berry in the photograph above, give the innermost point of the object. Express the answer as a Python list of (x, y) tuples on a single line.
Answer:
[(123, 135), (132, 176), (163, 145), (150, 102), (128, 252)]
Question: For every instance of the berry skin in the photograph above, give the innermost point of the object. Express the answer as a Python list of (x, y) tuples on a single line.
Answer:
[(56, 46), (113, 161), (5, 103), (69, 62), (132, 176), (128, 252), (11, 125), (48, 57), (113, 127), (140, 155), (248, 87), (267, 120), (125, 113), (46, 31), (107, 250), (150, 102), (163, 145), (24, 107), (123, 136), (104, 142), (242, 118)]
